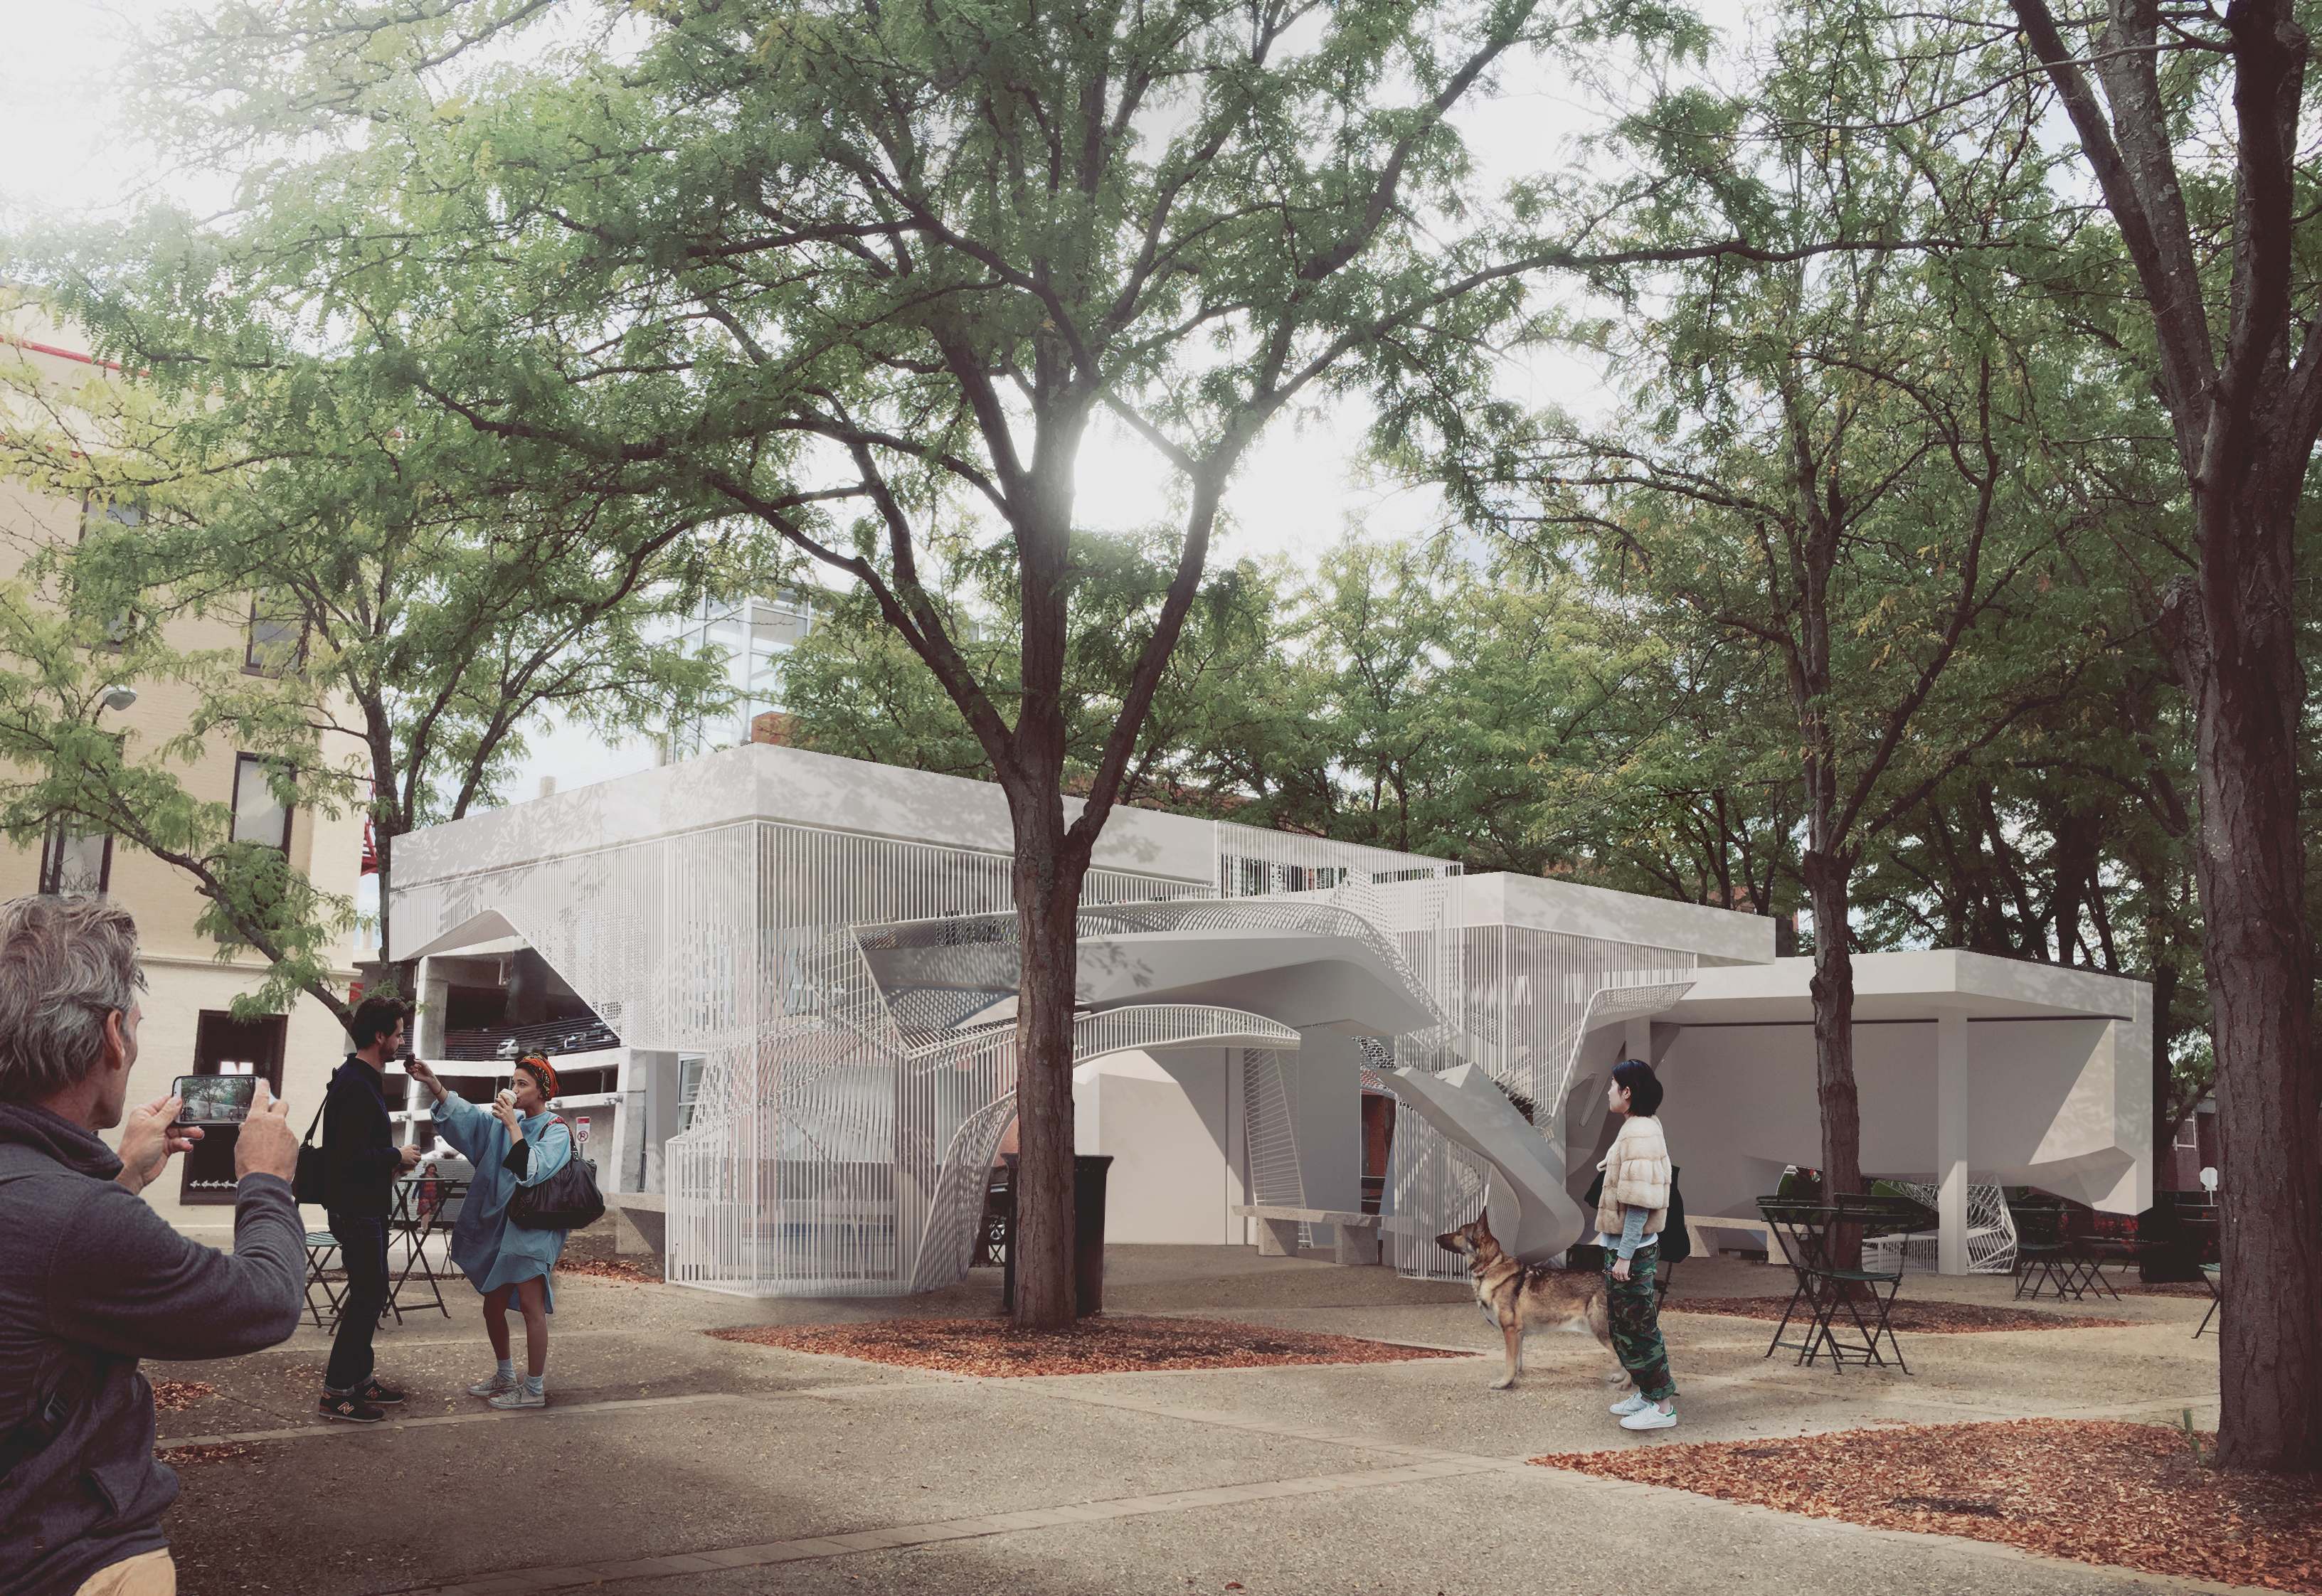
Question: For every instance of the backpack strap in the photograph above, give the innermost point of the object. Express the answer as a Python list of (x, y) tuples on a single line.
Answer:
[(320, 1108)]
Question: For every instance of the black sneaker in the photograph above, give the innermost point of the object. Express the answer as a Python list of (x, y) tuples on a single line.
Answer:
[(379, 1396), (351, 1408)]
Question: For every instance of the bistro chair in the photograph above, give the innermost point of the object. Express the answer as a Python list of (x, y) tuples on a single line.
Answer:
[(2199, 1223), (322, 1249), (1797, 1225), (1846, 1308), (1861, 1298), (2092, 1247), (2042, 1252)]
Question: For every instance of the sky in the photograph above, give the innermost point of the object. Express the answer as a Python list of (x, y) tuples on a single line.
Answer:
[(1303, 488)]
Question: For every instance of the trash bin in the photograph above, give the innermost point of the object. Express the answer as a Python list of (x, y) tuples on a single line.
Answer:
[(1088, 1231), (1088, 1237), (2176, 1258)]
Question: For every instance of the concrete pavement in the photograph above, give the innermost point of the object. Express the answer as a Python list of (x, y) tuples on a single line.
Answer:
[(676, 1465)]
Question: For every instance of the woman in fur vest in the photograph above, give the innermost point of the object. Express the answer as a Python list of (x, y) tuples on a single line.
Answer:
[(1629, 1220)]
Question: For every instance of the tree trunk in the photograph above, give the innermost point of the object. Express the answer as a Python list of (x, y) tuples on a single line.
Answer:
[(2237, 645), (1048, 873), (2164, 1096), (388, 975), (1833, 989)]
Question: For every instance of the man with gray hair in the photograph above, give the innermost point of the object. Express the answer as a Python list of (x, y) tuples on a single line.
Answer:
[(91, 1279)]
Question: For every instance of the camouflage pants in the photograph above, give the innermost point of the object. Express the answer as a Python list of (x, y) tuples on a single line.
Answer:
[(1635, 1324)]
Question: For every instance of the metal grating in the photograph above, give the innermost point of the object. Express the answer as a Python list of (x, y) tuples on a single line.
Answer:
[(840, 1135)]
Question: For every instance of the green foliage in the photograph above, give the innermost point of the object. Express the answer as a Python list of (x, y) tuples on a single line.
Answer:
[(429, 592), (858, 690), (833, 270)]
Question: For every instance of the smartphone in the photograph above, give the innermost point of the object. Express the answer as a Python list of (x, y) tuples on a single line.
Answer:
[(214, 1100)]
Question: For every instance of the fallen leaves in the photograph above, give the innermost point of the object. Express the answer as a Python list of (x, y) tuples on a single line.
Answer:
[(1103, 1345), (2125, 1494), (181, 1456), (619, 1269), (175, 1396), (1913, 1317)]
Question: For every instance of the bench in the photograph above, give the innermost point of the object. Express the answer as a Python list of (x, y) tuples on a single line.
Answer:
[(1358, 1234)]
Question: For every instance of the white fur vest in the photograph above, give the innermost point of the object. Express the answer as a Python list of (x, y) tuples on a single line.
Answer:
[(1636, 1175)]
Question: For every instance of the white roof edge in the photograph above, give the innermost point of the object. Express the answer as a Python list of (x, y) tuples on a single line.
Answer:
[(1934, 974), (760, 781), (1600, 912)]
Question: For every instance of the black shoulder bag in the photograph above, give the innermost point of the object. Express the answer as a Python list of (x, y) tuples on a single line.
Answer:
[(310, 1180), (567, 1201)]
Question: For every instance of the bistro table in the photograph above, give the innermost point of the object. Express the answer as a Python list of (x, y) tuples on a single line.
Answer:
[(425, 1207), (1813, 1235), (2053, 1249)]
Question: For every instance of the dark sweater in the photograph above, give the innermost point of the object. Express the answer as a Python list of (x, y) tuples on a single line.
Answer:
[(359, 1143), (88, 1264)]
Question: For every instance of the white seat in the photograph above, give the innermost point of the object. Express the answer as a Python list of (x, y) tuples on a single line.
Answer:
[(1358, 1235)]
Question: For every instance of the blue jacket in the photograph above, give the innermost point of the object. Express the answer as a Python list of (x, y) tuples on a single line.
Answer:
[(89, 1266), (489, 1250)]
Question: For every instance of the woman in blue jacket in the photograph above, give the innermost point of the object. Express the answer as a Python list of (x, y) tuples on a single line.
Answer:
[(513, 1144)]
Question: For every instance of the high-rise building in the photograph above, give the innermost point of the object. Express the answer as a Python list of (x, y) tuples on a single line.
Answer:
[(753, 635)]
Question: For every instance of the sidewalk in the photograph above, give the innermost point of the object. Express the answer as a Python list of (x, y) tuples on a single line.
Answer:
[(675, 1463)]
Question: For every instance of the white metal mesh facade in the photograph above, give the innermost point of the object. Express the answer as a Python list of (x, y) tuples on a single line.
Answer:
[(841, 1136), (1515, 999)]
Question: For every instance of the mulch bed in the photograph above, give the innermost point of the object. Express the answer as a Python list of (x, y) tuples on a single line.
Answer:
[(619, 1269), (1915, 1318), (175, 1396), (2137, 1287), (1105, 1345), (2127, 1494)]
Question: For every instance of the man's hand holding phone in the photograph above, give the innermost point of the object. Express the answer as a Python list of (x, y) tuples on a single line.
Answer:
[(267, 1145), (148, 1137)]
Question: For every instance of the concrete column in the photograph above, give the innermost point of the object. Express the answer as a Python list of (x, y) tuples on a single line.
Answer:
[(1951, 1139), (629, 1168), (1236, 1150), (1637, 1039), (416, 1098), (427, 1026)]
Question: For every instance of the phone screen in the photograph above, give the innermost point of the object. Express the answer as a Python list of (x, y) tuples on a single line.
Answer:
[(216, 1099)]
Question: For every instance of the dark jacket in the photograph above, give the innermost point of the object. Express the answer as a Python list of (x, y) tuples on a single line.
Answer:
[(359, 1143), (88, 1265)]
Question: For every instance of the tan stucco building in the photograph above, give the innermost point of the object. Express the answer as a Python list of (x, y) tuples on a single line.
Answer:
[(187, 1028)]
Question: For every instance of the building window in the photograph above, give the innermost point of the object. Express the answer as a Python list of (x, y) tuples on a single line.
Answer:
[(278, 639), (260, 814), (689, 1089), (118, 513), (75, 863), (224, 1046)]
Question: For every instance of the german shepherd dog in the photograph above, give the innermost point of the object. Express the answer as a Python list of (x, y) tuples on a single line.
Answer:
[(1521, 1298)]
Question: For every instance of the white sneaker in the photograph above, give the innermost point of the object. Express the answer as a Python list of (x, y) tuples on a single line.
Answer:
[(1631, 1403), (521, 1398), (1650, 1417), (494, 1386)]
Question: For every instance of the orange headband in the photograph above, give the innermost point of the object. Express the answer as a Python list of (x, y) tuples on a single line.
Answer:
[(542, 1072)]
